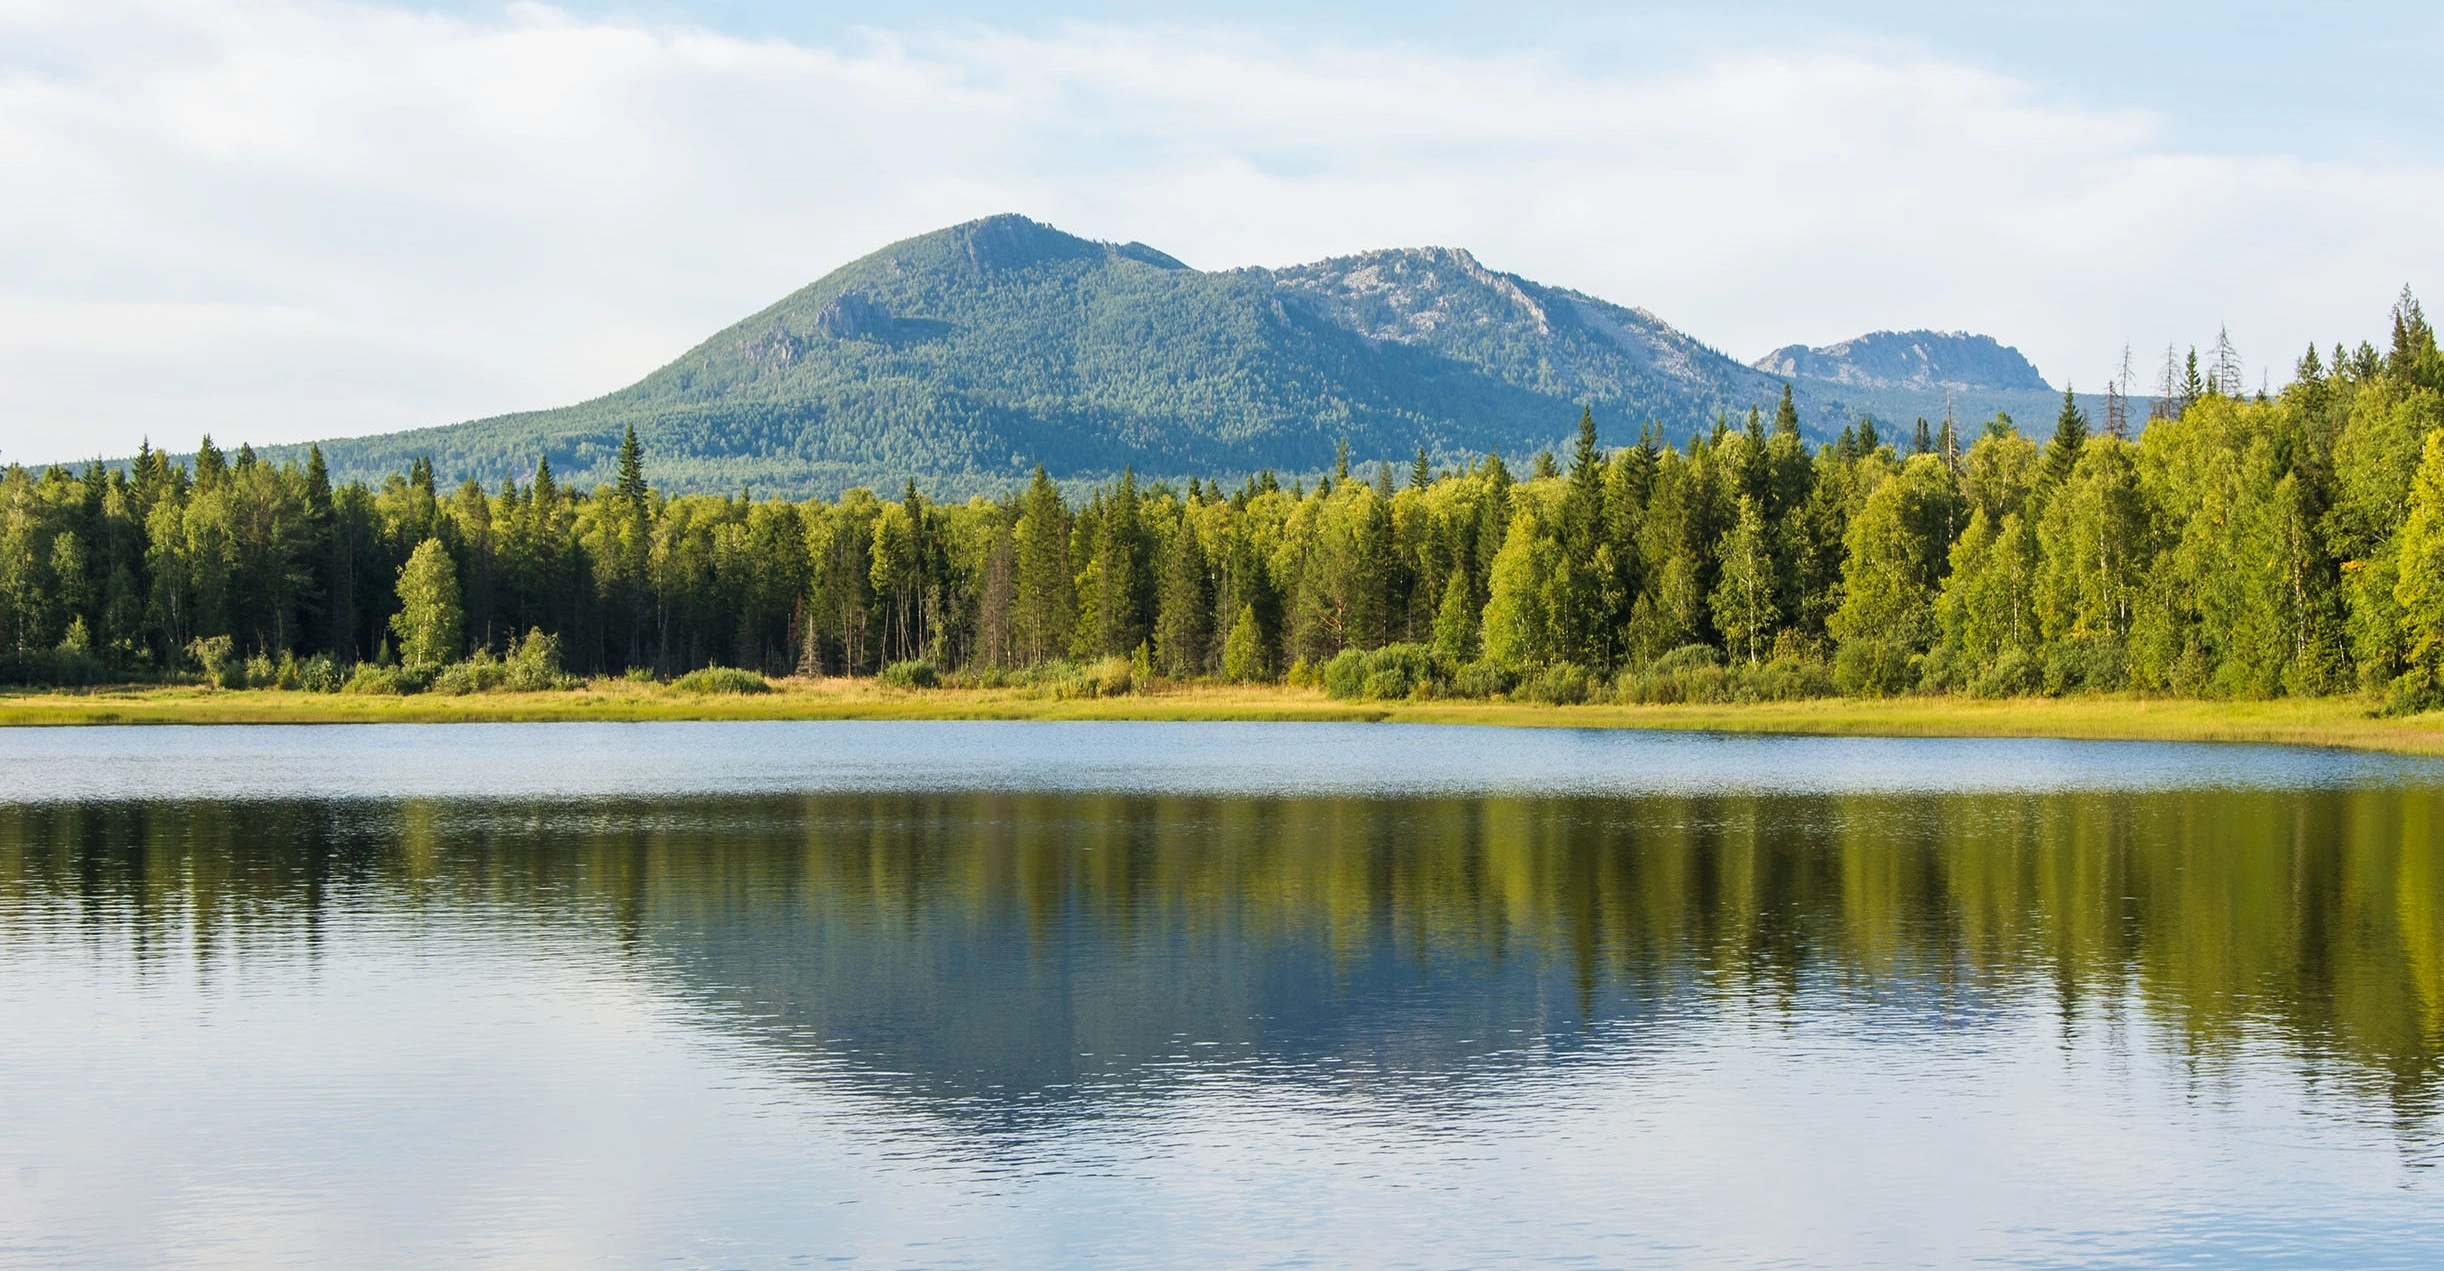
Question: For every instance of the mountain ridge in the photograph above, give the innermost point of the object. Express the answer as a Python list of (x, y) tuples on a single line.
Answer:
[(963, 357)]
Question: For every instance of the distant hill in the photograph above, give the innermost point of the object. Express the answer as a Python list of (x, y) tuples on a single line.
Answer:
[(1913, 361), (965, 357)]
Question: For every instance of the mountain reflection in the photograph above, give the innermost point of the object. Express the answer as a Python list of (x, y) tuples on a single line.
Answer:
[(1002, 952)]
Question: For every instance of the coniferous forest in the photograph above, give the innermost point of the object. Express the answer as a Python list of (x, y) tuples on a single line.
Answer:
[(2204, 542)]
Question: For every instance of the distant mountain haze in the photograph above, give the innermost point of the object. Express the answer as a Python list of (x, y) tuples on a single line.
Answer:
[(1926, 361), (963, 358)]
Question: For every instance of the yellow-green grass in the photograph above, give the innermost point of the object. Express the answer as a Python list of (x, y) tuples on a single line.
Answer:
[(2341, 722)]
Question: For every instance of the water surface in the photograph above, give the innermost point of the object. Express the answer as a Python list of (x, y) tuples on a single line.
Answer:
[(1052, 994)]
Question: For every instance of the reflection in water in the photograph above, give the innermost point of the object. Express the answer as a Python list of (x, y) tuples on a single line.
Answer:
[(1007, 954), (2126, 1025)]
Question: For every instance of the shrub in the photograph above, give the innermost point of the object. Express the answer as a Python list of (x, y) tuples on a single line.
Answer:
[(1481, 680), (2411, 694), (721, 679), (1113, 677), (478, 674), (1391, 673), (1869, 667), (393, 681), (1344, 676), (1695, 674), (641, 675), (1788, 679), (1561, 684), (909, 675), (212, 656), (2014, 674), (318, 674)]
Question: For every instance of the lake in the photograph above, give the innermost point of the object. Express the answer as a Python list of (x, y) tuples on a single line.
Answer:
[(1036, 994)]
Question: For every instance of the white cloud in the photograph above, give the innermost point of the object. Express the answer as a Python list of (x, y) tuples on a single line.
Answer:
[(280, 218)]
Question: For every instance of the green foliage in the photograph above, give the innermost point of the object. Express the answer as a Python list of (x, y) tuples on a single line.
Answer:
[(1243, 653), (720, 679), (429, 623), (532, 665), (2419, 585), (2235, 548), (1391, 673), (909, 675)]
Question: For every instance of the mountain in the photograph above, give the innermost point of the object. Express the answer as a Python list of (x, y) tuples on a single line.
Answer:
[(1913, 361), (1897, 375), (963, 358)]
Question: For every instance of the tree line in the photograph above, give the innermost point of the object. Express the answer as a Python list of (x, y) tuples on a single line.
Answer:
[(2241, 545)]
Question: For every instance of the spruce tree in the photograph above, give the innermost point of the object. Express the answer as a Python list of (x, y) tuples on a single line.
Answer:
[(2070, 437), (1046, 601), (1786, 415), (1181, 635), (631, 468)]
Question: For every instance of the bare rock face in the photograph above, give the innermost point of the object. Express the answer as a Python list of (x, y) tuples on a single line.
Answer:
[(854, 316), (1913, 360)]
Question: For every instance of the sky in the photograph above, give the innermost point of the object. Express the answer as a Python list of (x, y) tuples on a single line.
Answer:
[(276, 220)]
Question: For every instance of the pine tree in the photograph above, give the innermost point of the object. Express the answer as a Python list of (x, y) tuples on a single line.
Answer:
[(1786, 415), (1421, 474)]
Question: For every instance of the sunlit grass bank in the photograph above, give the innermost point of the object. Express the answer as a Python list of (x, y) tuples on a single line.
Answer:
[(2318, 722)]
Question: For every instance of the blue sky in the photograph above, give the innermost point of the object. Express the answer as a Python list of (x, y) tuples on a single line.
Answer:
[(281, 219), (2349, 74)]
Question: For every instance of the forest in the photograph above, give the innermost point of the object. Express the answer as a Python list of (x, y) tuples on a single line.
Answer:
[(2227, 544)]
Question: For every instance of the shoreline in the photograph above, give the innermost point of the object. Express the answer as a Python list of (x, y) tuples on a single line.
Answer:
[(2341, 722)]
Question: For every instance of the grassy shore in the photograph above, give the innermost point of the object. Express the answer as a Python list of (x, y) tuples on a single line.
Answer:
[(2321, 722)]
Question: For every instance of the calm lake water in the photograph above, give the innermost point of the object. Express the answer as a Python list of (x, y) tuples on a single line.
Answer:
[(1212, 995)]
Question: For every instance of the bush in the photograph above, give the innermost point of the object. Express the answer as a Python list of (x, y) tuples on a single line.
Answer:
[(533, 665), (1561, 684), (317, 674), (1114, 677), (392, 681), (1344, 676), (1481, 680), (721, 679), (641, 675), (909, 675), (1871, 668), (2015, 674), (2414, 693), (1694, 674), (1391, 673)]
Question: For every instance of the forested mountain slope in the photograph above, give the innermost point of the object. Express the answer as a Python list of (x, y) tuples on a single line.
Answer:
[(963, 358)]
